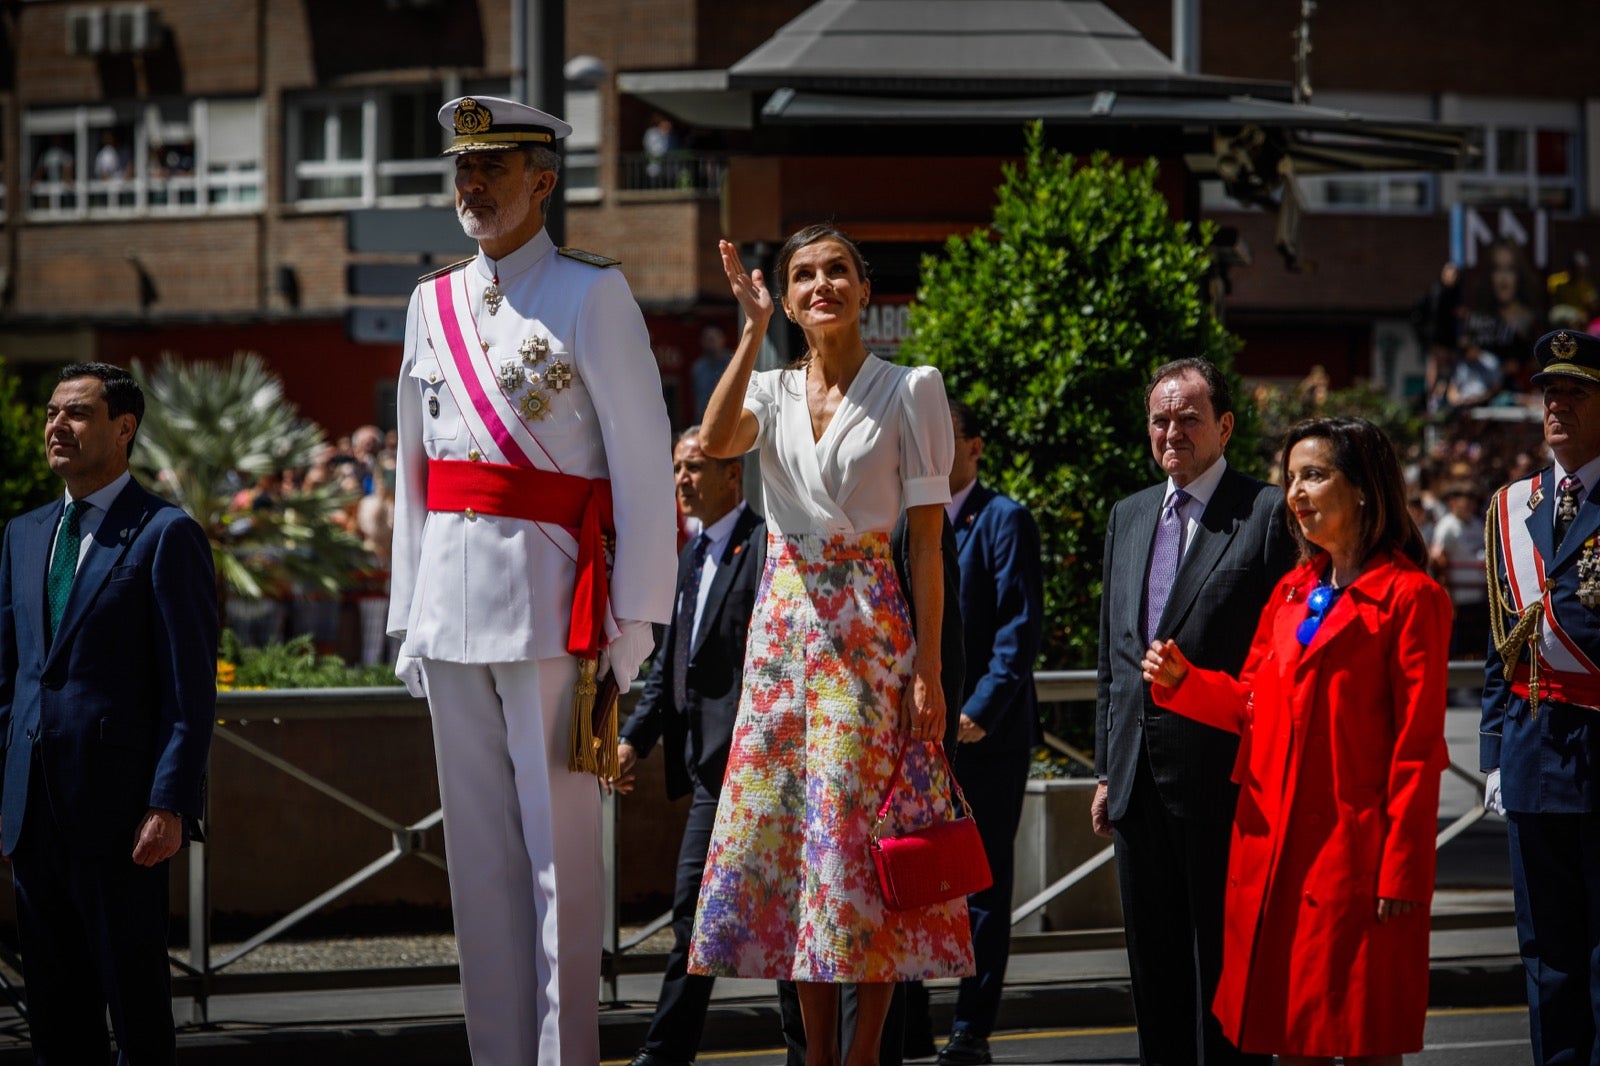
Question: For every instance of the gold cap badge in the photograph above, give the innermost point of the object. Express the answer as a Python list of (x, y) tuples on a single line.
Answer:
[(470, 118), (1563, 346)]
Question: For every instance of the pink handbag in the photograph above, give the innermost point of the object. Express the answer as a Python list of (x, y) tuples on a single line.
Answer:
[(941, 861)]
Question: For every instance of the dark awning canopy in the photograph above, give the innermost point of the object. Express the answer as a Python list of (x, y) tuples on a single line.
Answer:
[(845, 68)]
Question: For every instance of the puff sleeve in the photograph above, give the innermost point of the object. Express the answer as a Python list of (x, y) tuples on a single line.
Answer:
[(761, 400), (927, 438)]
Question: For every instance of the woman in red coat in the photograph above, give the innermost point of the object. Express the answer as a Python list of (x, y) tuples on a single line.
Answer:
[(1340, 707)]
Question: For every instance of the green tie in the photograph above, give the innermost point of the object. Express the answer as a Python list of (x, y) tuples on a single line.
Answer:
[(64, 562)]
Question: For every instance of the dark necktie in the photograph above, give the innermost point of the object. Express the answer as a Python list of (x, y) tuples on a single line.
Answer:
[(1165, 554), (683, 625), (64, 562), (1567, 505)]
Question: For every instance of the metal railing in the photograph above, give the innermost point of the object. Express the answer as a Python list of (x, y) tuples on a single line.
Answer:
[(682, 173), (202, 976)]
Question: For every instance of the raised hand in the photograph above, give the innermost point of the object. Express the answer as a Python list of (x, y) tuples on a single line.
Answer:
[(749, 289)]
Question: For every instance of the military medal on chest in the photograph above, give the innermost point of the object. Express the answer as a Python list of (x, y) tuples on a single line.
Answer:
[(510, 375), (534, 350), (528, 388), (493, 297), (1589, 573)]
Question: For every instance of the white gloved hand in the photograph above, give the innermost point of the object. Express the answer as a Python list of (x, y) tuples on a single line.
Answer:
[(624, 654), (1491, 793), (408, 669)]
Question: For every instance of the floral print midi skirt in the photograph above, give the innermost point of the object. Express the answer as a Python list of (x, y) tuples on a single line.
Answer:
[(789, 890)]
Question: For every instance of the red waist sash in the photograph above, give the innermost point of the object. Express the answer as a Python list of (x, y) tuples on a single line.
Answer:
[(579, 504), (1579, 690)]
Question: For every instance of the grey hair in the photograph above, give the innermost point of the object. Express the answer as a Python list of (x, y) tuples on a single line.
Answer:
[(537, 157), (542, 158)]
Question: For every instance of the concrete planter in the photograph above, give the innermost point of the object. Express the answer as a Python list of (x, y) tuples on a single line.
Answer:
[(1053, 838)]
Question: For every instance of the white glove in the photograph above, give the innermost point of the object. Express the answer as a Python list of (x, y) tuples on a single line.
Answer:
[(408, 669), (1491, 793), (632, 647)]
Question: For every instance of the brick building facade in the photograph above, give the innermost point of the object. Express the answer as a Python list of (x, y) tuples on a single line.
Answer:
[(180, 175)]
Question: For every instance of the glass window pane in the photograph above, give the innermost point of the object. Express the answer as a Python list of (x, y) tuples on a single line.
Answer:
[(1494, 194), (1408, 193), (1553, 153), (413, 128), (411, 185), (1511, 151), (1353, 191), (329, 188), (350, 131), (1556, 197), (313, 139)]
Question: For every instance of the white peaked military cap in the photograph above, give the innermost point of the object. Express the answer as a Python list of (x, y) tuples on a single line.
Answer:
[(495, 124)]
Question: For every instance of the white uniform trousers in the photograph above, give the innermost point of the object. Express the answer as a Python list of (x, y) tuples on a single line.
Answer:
[(522, 839)]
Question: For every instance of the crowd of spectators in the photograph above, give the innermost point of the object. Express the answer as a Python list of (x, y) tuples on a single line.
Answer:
[(359, 472), (1483, 414)]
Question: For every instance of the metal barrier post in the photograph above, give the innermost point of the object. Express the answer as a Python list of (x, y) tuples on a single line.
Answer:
[(200, 931)]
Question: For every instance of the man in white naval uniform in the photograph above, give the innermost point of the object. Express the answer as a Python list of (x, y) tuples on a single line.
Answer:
[(532, 445)]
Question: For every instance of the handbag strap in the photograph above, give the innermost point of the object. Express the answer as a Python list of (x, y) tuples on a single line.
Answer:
[(894, 781)]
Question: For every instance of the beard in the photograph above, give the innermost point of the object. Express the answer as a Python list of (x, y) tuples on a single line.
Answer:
[(502, 218)]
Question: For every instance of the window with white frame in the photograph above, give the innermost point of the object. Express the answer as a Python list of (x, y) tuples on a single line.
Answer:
[(375, 146), (381, 146), (141, 158), (1527, 154)]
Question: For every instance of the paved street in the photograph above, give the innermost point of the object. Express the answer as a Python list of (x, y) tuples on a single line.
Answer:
[(1491, 1037)]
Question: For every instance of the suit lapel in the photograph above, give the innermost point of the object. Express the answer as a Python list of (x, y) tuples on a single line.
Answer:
[(35, 553), (967, 517), (117, 532), (1541, 520), (733, 557), (1583, 527), (1143, 513), (1213, 533)]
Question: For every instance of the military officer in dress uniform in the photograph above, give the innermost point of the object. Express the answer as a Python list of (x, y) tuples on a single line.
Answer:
[(1540, 737), (533, 548)]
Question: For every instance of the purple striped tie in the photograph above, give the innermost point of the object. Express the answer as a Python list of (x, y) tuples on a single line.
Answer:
[(683, 625), (1165, 555)]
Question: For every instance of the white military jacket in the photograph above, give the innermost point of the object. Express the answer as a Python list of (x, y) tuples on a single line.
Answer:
[(486, 588)]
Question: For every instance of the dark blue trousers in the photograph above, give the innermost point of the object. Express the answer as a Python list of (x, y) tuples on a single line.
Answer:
[(680, 1016), (93, 931), (1555, 876), (1173, 874), (994, 785)]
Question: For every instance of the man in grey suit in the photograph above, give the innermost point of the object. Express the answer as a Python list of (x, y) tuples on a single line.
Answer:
[(1191, 559)]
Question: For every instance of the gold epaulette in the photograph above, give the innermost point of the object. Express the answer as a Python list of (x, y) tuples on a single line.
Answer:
[(594, 259), (445, 270)]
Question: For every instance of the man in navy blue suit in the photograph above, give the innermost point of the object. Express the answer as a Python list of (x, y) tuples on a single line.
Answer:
[(1539, 739), (108, 645), (691, 700), (1002, 607)]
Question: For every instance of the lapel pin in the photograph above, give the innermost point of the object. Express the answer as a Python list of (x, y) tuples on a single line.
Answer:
[(124, 534), (1292, 595)]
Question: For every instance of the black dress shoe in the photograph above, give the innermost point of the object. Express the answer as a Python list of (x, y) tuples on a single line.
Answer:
[(965, 1048), (650, 1058)]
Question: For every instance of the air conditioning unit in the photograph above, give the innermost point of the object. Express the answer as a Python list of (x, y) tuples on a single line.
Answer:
[(132, 28), (86, 31)]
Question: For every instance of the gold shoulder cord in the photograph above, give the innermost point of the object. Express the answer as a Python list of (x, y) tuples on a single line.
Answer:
[(1524, 633)]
